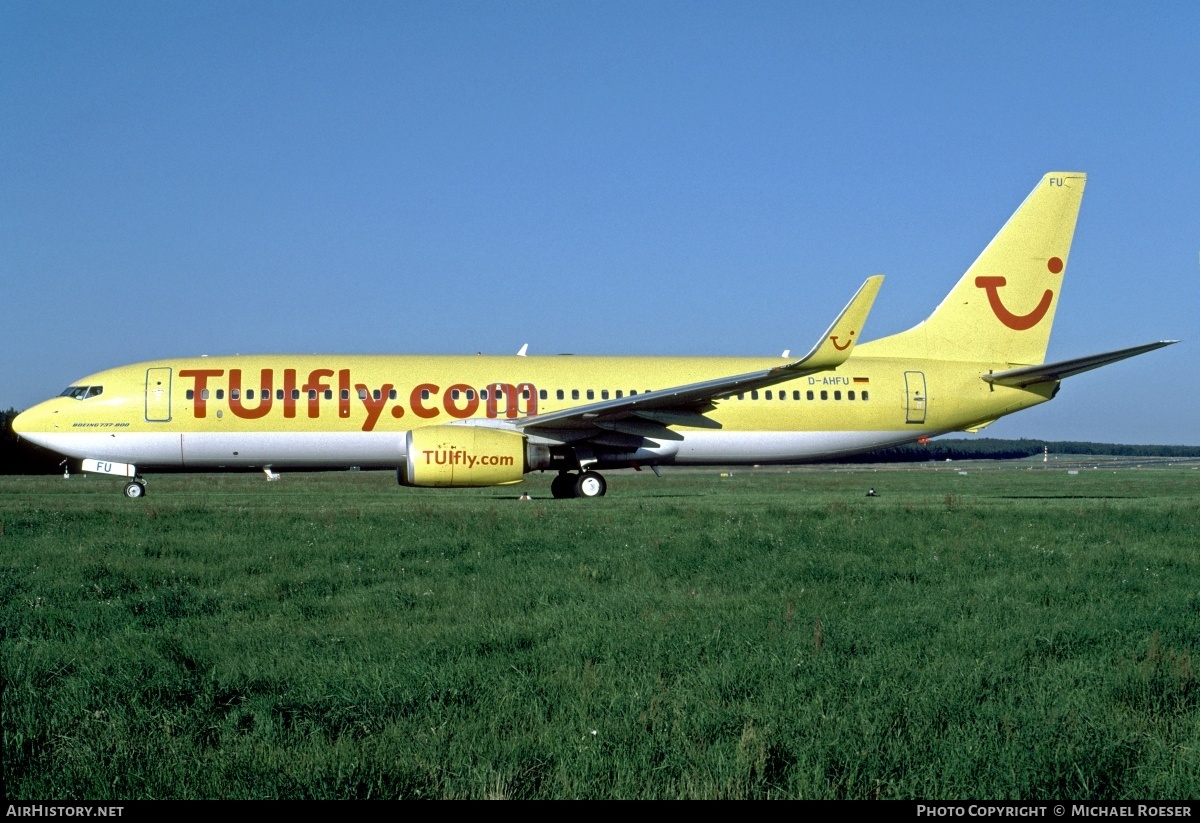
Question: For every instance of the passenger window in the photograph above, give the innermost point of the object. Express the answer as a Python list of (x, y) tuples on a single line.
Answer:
[(249, 394), (453, 394), (754, 394), (392, 395), (220, 394), (377, 394), (279, 394), (362, 394), (425, 394), (837, 395), (295, 394), (312, 394), (234, 394), (560, 394), (604, 394), (329, 394), (769, 397), (618, 394), (810, 395), (824, 395), (345, 394), (524, 394), (543, 394), (632, 392), (741, 395), (591, 395), (795, 395), (190, 394), (864, 394), (204, 394), (574, 394), (849, 395)]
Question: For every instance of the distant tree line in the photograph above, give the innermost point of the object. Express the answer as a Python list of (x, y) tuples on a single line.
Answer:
[(22, 457), (990, 448)]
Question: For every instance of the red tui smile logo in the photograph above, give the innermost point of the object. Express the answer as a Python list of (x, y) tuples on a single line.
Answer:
[(1018, 322)]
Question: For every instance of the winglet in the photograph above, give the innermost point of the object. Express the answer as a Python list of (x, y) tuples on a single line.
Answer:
[(835, 346)]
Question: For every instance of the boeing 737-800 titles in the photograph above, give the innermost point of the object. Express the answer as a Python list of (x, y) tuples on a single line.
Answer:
[(483, 421)]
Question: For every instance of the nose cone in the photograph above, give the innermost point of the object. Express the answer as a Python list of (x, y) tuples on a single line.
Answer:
[(42, 425), (22, 422), (28, 424)]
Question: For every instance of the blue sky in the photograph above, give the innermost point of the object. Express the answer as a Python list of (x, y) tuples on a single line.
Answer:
[(601, 178)]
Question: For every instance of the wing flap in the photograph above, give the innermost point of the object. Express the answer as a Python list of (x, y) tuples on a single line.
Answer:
[(694, 419), (639, 428), (617, 440)]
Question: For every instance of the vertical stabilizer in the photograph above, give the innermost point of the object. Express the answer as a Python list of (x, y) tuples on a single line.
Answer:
[(1002, 308)]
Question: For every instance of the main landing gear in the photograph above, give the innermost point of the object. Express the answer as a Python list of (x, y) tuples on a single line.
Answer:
[(135, 488), (584, 484)]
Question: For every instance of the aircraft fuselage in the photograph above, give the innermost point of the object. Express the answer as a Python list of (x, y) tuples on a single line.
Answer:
[(335, 412)]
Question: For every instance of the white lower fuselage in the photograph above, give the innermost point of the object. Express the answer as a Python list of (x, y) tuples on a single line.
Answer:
[(206, 451)]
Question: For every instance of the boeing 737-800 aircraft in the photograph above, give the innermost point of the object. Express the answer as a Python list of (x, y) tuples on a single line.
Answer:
[(483, 421)]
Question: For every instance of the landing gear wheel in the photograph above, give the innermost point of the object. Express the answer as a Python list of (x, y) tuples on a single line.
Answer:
[(134, 489), (590, 484), (563, 486)]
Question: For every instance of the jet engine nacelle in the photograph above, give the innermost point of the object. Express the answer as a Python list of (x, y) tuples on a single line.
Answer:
[(467, 456)]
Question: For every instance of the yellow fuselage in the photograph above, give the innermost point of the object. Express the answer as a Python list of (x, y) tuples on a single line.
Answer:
[(352, 410)]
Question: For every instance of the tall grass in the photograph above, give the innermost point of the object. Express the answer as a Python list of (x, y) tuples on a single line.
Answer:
[(1005, 634)]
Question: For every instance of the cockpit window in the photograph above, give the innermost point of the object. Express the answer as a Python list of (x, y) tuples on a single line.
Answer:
[(82, 392)]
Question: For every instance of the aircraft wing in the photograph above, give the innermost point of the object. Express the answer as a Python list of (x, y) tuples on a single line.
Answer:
[(1049, 372), (684, 405)]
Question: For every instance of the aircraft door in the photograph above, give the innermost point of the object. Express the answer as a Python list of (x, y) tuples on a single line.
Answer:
[(914, 385), (158, 395)]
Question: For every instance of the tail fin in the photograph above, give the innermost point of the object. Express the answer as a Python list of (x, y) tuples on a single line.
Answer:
[(1002, 308)]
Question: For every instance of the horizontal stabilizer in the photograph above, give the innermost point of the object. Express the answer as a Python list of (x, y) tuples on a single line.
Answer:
[(1050, 372)]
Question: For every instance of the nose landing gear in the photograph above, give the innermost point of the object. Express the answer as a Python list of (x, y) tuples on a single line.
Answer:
[(135, 488)]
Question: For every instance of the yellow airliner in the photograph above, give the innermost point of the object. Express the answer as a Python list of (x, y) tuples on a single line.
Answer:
[(484, 421)]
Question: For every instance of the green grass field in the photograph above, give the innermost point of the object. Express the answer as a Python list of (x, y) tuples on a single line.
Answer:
[(1015, 632)]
